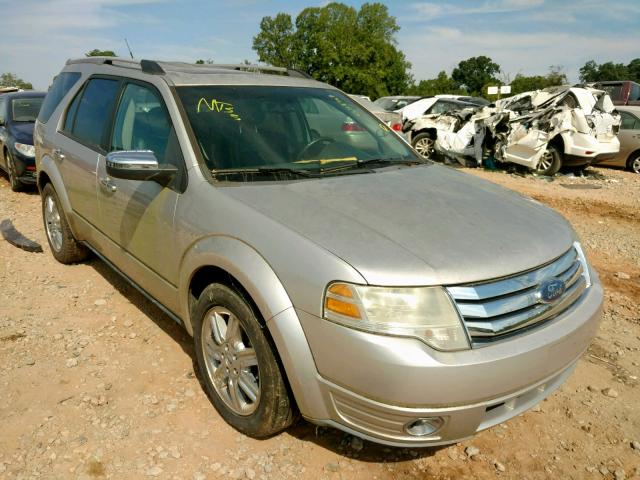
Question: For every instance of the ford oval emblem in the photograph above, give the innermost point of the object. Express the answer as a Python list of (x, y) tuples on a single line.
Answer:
[(550, 290)]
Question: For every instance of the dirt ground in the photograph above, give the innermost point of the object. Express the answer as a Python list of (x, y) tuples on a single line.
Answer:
[(95, 382)]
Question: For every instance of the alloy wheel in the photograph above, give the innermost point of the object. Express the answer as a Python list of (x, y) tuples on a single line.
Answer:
[(635, 164), (424, 146), (231, 361), (545, 161), (52, 223)]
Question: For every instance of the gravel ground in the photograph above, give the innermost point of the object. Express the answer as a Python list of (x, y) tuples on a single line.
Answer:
[(95, 382)]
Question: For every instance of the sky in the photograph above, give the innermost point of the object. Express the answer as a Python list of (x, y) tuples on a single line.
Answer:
[(522, 36)]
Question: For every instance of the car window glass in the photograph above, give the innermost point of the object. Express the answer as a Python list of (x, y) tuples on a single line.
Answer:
[(439, 107), (93, 110), (25, 109), (71, 113), (1, 110), (142, 123), (634, 94), (628, 121), (59, 88)]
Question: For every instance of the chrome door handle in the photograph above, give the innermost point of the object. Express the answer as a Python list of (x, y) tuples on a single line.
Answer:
[(106, 183), (57, 154)]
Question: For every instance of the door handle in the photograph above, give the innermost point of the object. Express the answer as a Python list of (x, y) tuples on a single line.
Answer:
[(57, 154), (106, 183)]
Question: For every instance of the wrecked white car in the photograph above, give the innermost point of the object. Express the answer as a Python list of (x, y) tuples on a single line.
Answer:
[(542, 130)]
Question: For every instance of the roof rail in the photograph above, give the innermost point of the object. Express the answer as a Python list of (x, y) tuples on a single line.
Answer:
[(151, 66)]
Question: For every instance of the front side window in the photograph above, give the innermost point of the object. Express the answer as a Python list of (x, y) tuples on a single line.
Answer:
[(59, 88), (240, 127), (89, 112), (25, 109), (142, 123)]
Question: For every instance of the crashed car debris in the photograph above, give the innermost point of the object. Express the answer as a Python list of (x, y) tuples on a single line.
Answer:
[(542, 130)]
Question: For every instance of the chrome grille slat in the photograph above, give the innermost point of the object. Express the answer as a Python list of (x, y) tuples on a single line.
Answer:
[(492, 310), (516, 283)]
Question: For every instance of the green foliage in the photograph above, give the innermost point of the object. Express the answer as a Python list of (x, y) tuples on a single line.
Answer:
[(354, 50), (11, 80), (204, 62), (100, 53), (443, 83), (474, 73), (524, 83), (593, 72)]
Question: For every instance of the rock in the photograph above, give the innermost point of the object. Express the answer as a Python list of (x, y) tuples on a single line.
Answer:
[(57, 336), (29, 361), (592, 388), (250, 473), (623, 276), (332, 467), (128, 323), (499, 466), (154, 471), (610, 392), (635, 445), (357, 444), (590, 469), (619, 474), (603, 470), (471, 451), (71, 362), (99, 302), (132, 335), (537, 408)]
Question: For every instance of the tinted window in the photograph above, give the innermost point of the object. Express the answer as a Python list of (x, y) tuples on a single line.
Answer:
[(142, 123), (634, 94), (88, 123), (25, 109), (629, 122), (59, 88), (2, 110)]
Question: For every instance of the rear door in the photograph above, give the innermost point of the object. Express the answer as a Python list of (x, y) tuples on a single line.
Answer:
[(82, 142), (137, 216)]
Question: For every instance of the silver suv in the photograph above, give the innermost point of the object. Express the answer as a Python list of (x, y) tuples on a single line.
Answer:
[(319, 263)]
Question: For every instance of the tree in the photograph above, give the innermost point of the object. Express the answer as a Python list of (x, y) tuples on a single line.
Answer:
[(12, 80), (522, 83), (203, 62), (354, 50), (474, 73), (592, 72), (443, 83), (100, 53)]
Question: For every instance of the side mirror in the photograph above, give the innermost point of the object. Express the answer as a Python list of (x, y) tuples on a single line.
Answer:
[(139, 165)]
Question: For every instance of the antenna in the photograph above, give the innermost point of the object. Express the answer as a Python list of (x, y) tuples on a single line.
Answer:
[(129, 48)]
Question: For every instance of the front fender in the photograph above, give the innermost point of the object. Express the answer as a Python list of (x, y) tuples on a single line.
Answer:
[(241, 261)]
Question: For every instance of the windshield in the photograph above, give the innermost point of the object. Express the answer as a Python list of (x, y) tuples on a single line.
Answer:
[(392, 104), (306, 129), (25, 109)]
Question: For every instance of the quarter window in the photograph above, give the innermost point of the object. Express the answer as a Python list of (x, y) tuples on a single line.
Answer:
[(88, 114), (59, 88)]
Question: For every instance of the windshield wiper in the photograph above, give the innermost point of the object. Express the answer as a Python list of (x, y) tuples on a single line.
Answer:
[(262, 171), (372, 162)]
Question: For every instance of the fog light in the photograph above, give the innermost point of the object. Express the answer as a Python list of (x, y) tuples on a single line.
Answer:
[(424, 426)]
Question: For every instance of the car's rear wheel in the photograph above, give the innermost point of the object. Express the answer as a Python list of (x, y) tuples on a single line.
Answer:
[(634, 163), (237, 362), (550, 162), (423, 143), (16, 184), (63, 245)]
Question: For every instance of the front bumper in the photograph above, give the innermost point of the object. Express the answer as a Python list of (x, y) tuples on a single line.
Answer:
[(25, 167), (373, 385)]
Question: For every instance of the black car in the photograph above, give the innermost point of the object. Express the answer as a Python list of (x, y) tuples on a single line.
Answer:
[(18, 113)]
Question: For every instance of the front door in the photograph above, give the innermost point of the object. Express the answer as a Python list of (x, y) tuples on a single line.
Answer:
[(137, 216)]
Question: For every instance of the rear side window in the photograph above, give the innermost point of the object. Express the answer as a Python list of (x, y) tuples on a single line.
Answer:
[(90, 111), (629, 122), (59, 88)]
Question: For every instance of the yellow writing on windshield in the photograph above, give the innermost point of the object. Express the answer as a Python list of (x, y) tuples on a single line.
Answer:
[(213, 105)]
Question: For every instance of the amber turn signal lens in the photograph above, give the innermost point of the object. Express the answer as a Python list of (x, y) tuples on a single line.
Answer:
[(342, 308), (341, 289)]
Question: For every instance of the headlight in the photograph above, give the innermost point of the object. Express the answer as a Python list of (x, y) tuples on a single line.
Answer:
[(26, 150), (426, 313), (583, 262)]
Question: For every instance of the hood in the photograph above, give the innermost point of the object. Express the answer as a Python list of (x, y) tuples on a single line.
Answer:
[(22, 132), (423, 225)]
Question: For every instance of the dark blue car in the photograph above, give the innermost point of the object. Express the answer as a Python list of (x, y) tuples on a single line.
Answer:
[(18, 113)]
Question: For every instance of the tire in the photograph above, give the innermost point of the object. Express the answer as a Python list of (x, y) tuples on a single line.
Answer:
[(550, 162), (633, 163), (16, 185), (240, 371), (423, 144), (62, 243)]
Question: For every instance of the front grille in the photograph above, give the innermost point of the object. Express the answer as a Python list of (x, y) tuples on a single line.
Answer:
[(503, 307)]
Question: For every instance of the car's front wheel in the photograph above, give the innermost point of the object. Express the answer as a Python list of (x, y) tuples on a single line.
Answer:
[(16, 184), (63, 245), (237, 362)]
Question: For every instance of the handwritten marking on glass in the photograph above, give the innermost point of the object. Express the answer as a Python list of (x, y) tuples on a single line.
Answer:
[(214, 105)]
